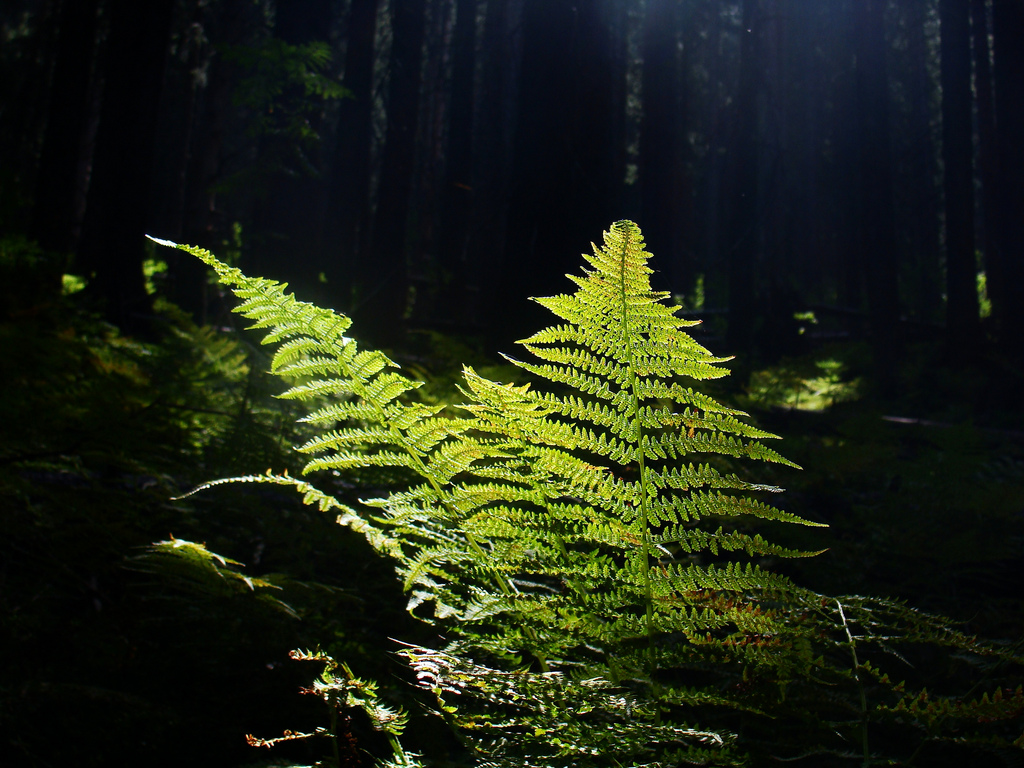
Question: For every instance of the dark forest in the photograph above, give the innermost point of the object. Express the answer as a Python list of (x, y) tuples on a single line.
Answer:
[(834, 188)]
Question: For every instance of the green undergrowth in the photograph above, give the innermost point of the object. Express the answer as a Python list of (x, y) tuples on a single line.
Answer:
[(559, 538), (131, 642), (814, 382), (117, 652), (922, 493)]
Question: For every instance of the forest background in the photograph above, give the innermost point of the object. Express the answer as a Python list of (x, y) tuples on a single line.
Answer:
[(836, 188)]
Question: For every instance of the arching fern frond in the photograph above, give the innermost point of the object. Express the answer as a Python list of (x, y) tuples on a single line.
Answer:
[(587, 540)]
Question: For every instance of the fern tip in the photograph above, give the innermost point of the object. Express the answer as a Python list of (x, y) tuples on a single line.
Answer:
[(159, 241)]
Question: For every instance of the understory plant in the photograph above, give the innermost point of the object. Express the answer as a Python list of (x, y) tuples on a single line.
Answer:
[(594, 551)]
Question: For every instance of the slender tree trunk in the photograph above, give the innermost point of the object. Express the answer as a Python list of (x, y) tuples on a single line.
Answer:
[(349, 176), (623, 22), (742, 238), (1008, 76), (457, 190), (877, 226), (58, 181), (958, 176), (182, 217), (711, 193), (664, 189), (492, 149), (845, 137), (25, 91), (801, 199), (427, 278), (290, 215), (987, 152), (112, 244), (383, 271), (596, 128), (564, 145), (922, 220)]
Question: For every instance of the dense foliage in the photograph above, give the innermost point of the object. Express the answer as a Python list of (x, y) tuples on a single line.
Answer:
[(574, 561), (125, 652), (116, 652)]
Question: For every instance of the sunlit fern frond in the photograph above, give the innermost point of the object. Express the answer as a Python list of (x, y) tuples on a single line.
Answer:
[(619, 446), (522, 718), (359, 401), (589, 542)]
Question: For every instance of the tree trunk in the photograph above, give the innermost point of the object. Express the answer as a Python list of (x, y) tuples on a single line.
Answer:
[(877, 226), (742, 238), (492, 150), (562, 158), (183, 139), (112, 244), (987, 152), (383, 271), (1008, 76), (923, 217), (349, 176), (958, 175), (290, 216), (427, 277), (664, 189), (58, 182), (845, 137), (451, 306)]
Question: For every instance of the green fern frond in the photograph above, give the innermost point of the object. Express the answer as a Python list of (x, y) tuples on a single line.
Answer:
[(583, 539), (521, 718), (313, 345), (195, 569), (341, 690)]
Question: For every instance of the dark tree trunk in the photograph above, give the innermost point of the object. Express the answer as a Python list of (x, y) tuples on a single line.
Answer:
[(59, 183), (208, 217), (741, 240), (562, 160), (987, 152), (958, 176), (923, 213), (427, 276), (184, 138), (457, 191), (25, 80), (112, 244), (291, 214), (383, 271), (596, 127), (796, 256), (877, 226), (710, 194), (624, 197), (349, 190), (664, 189), (492, 150), (1008, 77), (845, 167)]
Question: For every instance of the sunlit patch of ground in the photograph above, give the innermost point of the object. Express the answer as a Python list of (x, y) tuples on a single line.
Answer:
[(808, 385)]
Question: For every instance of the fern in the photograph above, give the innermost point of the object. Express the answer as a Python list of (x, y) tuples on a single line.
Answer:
[(344, 691), (587, 540)]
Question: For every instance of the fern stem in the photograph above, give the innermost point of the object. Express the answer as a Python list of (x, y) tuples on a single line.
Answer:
[(335, 751), (641, 467), (860, 685)]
